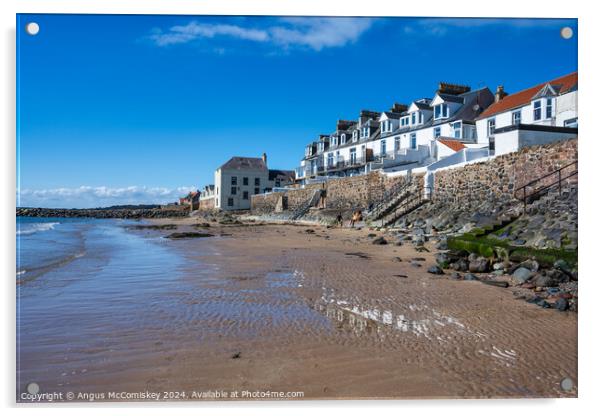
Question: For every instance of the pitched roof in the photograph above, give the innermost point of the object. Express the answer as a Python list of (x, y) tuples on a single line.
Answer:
[(562, 85), (281, 174), (455, 145), (238, 162)]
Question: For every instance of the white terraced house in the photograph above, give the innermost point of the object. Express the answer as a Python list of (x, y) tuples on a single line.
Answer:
[(400, 139), (541, 114)]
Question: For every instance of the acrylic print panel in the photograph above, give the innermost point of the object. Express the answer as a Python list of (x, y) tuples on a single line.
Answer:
[(290, 208)]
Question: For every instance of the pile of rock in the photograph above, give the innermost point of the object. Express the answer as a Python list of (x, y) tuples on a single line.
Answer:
[(551, 287), (124, 213)]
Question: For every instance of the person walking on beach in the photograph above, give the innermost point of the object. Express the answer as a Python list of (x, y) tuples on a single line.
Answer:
[(340, 220), (356, 217)]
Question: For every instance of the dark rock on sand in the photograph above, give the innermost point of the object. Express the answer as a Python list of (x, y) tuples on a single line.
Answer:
[(544, 281), (455, 275), (561, 304), (435, 270), (521, 275), (379, 241), (442, 260), (189, 234), (495, 283), (470, 276), (460, 265)]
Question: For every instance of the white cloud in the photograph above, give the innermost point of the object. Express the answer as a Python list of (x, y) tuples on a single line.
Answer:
[(315, 33), (101, 196)]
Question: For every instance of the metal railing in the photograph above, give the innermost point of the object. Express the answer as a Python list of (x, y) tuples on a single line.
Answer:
[(531, 190)]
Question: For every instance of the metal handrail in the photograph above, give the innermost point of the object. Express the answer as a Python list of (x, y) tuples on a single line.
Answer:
[(538, 191), (406, 205)]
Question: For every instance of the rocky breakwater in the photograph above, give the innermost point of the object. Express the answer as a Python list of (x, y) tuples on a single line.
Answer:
[(111, 212)]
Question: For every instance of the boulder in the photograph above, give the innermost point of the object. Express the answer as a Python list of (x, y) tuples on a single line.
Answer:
[(379, 241), (455, 275), (561, 304), (541, 280), (479, 265), (435, 270), (442, 260), (470, 276), (460, 265), (521, 275)]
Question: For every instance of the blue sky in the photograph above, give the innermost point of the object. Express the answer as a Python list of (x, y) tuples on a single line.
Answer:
[(139, 109)]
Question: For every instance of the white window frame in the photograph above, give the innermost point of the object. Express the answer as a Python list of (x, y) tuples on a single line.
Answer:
[(490, 127), (436, 132), (537, 110), (550, 107), (515, 119), (413, 141)]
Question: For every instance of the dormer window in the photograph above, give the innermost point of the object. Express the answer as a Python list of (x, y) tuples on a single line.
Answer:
[(387, 126), (343, 139), (355, 135), (413, 118), (365, 132), (441, 111), (333, 141)]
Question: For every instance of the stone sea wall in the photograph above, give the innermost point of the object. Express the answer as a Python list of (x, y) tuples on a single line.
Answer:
[(500, 177), (349, 193)]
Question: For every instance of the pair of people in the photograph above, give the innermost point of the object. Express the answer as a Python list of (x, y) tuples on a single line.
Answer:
[(356, 217)]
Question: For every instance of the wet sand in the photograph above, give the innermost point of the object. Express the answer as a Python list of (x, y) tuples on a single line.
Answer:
[(347, 323), (274, 308)]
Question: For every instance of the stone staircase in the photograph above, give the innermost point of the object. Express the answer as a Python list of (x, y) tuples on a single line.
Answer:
[(390, 200), (305, 207), (411, 202)]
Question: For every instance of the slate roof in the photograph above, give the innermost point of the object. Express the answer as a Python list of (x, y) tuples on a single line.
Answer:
[(473, 103), (238, 162), (282, 174), (563, 85)]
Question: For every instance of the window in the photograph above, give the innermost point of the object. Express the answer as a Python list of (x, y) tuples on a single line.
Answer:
[(413, 140), (457, 129), (383, 147), (333, 141), (420, 118), (343, 139), (413, 118), (537, 110), (548, 108), (491, 126), (441, 111), (516, 118), (355, 135), (245, 195), (352, 156), (397, 144), (256, 191), (256, 181), (245, 181), (437, 132), (230, 202), (233, 190), (234, 180), (330, 159), (572, 122)]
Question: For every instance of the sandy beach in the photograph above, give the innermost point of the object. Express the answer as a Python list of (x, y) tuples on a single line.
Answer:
[(326, 312)]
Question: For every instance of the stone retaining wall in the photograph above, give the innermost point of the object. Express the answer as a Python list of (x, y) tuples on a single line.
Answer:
[(500, 177), (349, 193)]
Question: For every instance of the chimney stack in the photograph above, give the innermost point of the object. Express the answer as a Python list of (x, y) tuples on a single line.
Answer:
[(264, 157), (500, 93), (399, 108)]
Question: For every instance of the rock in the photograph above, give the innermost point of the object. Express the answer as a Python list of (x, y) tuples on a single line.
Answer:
[(435, 270), (543, 304), (371, 235), (495, 283), (498, 266), (379, 241), (479, 265), (519, 242), (521, 275), (442, 260), (460, 265), (189, 234), (418, 259), (455, 275), (470, 276), (398, 243), (472, 257), (397, 259), (544, 281), (441, 245), (403, 276), (416, 264), (530, 264), (562, 265), (310, 231), (236, 355), (561, 304)]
